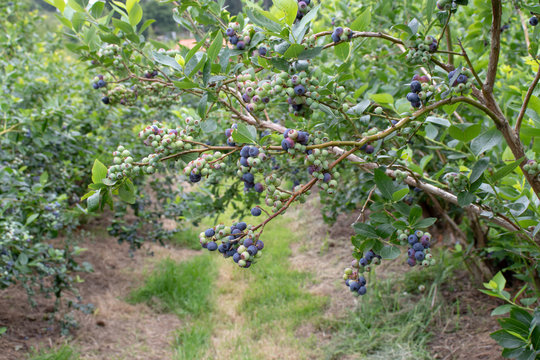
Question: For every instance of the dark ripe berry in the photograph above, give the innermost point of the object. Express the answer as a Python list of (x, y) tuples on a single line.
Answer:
[(327, 177), (363, 262), (348, 282), (204, 245), (100, 77), (233, 39), (240, 45), (228, 132), (303, 137), (370, 149), (286, 133), (245, 151), (95, 86), (354, 285), (433, 46), (229, 32), (418, 247), (256, 211), (335, 37), (287, 144), (259, 244), (394, 122), (248, 264), (241, 226), (265, 100), (236, 257), (412, 239), (248, 242), (212, 246), (338, 31), (410, 252), (252, 250), (424, 242), (297, 107), (258, 187), (262, 51), (419, 255), (413, 97), (246, 98), (299, 90), (209, 233), (416, 87), (425, 238), (369, 255), (248, 177), (362, 290), (533, 21), (194, 177), (105, 100), (416, 104), (362, 280), (462, 79), (222, 248), (154, 73), (243, 161), (101, 83), (411, 262), (424, 79), (253, 151)]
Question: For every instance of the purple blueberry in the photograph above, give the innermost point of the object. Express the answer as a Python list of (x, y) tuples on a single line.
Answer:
[(413, 239), (245, 151), (413, 97), (230, 32), (259, 244), (209, 233), (256, 211), (258, 187), (248, 177), (419, 255), (241, 226), (240, 45), (212, 246), (253, 151), (299, 90), (362, 290), (262, 51)]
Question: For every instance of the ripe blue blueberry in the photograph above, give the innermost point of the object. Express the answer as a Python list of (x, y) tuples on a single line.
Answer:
[(248, 177), (362, 280), (229, 32), (209, 233), (418, 247), (252, 250), (299, 90), (233, 39), (259, 244), (416, 87), (412, 239), (101, 83), (369, 255), (362, 290), (262, 51), (413, 97), (256, 211), (245, 151), (240, 45), (253, 151), (370, 149), (95, 86), (194, 177), (416, 104), (363, 262), (105, 100), (236, 257), (411, 262), (533, 21), (241, 226), (419, 255), (354, 285), (244, 161), (338, 31), (258, 187), (335, 38), (212, 246)]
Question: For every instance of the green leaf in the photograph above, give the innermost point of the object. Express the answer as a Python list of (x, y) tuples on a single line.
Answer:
[(259, 19), (109, 38), (289, 9), (389, 252), (400, 194), (507, 340), (129, 4), (486, 141), (126, 192), (202, 106), (135, 15), (43, 178), (209, 126), (22, 259), (59, 4), (415, 214), (213, 50), (501, 310), (122, 25), (166, 60), (361, 23), (365, 230), (75, 6), (438, 121), (478, 169), (185, 84), (500, 280), (300, 28), (430, 6), (245, 134), (425, 223), (293, 51), (384, 183), (382, 98), (505, 170), (465, 132), (99, 172), (465, 198), (92, 203), (342, 50), (31, 219)]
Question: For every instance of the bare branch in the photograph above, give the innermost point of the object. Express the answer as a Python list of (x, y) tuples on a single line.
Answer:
[(495, 46), (526, 102)]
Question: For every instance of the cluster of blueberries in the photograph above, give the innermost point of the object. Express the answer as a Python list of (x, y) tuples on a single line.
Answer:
[(99, 82), (413, 97), (250, 157), (461, 79), (303, 8), (352, 277), (418, 251), (291, 137), (227, 241), (235, 38), (340, 33), (457, 182)]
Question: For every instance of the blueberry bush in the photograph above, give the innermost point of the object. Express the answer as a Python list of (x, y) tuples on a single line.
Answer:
[(422, 115)]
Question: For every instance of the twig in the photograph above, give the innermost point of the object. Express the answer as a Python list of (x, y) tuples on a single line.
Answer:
[(526, 101)]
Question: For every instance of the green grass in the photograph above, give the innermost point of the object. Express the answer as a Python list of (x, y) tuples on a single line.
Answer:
[(187, 238), (393, 320), (63, 353), (191, 342), (183, 288)]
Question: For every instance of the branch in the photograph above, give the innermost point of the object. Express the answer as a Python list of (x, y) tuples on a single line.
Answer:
[(526, 102), (495, 46)]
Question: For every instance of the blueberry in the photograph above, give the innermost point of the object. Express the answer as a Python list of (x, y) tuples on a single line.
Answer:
[(240, 45), (418, 247), (348, 282), (222, 248), (248, 242), (413, 97), (229, 32), (105, 100), (212, 246), (411, 262), (252, 250), (419, 255), (253, 151), (412, 239), (327, 177), (95, 86), (241, 226), (259, 244), (299, 90), (533, 21), (236, 257), (335, 37), (245, 151), (451, 74), (248, 177), (258, 187), (248, 264), (246, 98), (338, 31), (194, 177), (462, 79), (233, 39), (262, 51), (370, 149), (363, 262), (411, 252), (236, 232), (303, 137), (101, 83), (362, 280), (362, 290), (416, 87), (416, 104), (354, 285), (369, 255), (256, 211), (209, 233), (286, 133), (244, 161)]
